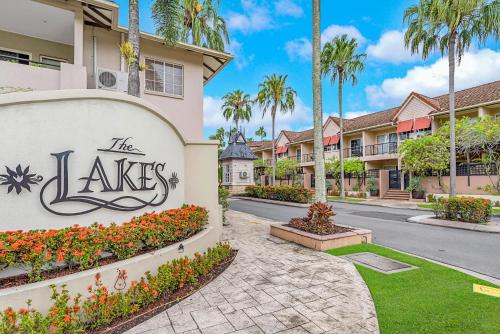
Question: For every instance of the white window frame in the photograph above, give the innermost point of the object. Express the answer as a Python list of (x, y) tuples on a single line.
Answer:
[(42, 57), (29, 54), (169, 62)]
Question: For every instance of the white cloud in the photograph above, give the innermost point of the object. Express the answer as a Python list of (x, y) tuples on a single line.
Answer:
[(288, 8), (301, 48), (391, 48), (213, 119), (255, 18), (350, 114), (477, 67), (335, 30), (240, 59)]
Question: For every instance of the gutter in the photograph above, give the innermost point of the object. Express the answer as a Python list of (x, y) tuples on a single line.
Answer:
[(468, 107)]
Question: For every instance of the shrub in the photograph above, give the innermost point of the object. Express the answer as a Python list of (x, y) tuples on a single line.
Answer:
[(372, 184), (285, 194), (318, 220), (223, 196), (83, 245), (103, 306), (466, 209)]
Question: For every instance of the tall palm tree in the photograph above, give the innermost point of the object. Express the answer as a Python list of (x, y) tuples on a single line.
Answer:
[(339, 60), (450, 26), (220, 135), (273, 94), (261, 132), (237, 106), (319, 154), (134, 82), (203, 25), (167, 17)]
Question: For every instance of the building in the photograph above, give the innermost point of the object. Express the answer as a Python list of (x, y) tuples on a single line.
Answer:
[(375, 138), (74, 44), (237, 164)]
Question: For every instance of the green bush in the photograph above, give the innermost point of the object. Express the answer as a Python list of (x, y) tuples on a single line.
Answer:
[(465, 209), (223, 196), (284, 194)]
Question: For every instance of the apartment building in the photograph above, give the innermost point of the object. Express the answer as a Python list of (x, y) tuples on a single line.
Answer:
[(375, 138), (74, 44)]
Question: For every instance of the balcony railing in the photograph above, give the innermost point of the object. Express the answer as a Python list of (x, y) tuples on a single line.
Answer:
[(307, 157), (351, 152), (384, 148), (30, 62)]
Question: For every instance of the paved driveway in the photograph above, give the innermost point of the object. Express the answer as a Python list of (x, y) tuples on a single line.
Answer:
[(476, 251), (272, 287)]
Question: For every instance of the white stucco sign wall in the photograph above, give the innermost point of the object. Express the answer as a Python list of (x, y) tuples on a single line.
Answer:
[(85, 160)]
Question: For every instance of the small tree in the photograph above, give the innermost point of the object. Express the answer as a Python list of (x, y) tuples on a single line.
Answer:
[(261, 132), (286, 169), (352, 166), (430, 152)]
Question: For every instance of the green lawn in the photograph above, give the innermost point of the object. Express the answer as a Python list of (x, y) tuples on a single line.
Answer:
[(430, 299), (495, 211), (347, 199)]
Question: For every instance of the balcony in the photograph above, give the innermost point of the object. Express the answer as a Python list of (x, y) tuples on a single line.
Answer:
[(353, 152), (384, 148)]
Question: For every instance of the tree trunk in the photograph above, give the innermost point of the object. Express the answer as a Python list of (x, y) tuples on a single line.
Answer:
[(319, 154), (451, 92), (273, 160), (134, 83), (341, 152)]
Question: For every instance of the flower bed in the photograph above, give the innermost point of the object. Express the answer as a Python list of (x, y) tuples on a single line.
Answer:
[(465, 209), (318, 221), (103, 307), (82, 247), (284, 194)]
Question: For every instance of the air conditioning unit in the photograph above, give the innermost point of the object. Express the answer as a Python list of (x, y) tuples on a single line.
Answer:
[(243, 175), (112, 80)]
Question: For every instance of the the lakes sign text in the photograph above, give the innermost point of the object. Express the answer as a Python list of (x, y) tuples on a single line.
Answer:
[(129, 182)]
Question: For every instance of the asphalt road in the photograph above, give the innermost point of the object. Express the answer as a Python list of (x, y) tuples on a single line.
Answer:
[(476, 251)]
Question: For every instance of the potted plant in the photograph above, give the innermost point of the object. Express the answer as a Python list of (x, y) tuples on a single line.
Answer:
[(416, 189), (372, 186)]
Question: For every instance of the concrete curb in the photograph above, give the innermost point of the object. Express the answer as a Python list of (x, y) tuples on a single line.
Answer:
[(430, 220), (270, 201), (371, 204)]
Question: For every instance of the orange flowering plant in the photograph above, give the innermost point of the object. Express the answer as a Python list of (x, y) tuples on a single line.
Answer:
[(83, 246), (102, 305)]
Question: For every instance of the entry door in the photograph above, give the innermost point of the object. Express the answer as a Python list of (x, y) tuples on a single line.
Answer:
[(381, 144), (356, 149), (394, 179)]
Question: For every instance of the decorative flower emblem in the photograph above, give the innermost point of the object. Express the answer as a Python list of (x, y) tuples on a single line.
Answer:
[(19, 179), (173, 181)]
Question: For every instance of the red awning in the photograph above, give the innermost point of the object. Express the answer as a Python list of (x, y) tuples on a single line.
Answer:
[(326, 141), (334, 140), (281, 149), (422, 123), (405, 126)]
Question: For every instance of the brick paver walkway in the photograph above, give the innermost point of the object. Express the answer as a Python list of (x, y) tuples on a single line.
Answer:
[(272, 287)]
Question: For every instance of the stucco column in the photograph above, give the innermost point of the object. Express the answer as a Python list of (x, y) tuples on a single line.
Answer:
[(78, 38), (481, 112), (401, 175)]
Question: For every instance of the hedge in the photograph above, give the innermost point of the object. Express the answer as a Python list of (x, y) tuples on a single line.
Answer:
[(285, 194), (465, 209), (83, 245), (102, 306)]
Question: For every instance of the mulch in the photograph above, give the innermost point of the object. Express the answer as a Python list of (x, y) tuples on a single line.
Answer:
[(164, 302), (331, 229)]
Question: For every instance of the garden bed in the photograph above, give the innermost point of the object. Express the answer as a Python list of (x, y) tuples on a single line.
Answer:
[(343, 236)]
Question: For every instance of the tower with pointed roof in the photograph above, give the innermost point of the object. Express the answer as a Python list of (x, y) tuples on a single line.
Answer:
[(237, 164)]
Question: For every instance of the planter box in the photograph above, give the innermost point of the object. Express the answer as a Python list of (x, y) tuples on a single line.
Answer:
[(40, 292), (322, 242)]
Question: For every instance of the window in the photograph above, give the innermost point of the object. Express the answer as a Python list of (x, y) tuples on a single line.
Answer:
[(227, 174), (497, 117), (52, 62), (356, 148), (14, 56), (164, 78), (332, 148)]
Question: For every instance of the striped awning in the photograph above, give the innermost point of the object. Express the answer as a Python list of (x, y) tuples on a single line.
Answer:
[(331, 140), (281, 149), (405, 126), (422, 123)]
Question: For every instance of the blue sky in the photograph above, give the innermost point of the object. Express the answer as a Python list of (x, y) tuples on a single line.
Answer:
[(274, 36)]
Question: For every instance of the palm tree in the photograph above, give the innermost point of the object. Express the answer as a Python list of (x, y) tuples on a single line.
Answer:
[(167, 18), (134, 83), (261, 132), (238, 106), (220, 135), (339, 60), (319, 154), (203, 25), (450, 26), (273, 94)]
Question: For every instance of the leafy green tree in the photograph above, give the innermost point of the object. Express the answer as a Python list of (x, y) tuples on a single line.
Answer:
[(261, 132), (353, 166), (274, 94), (340, 61), (237, 106), (450, 26), (191, 21), (319, 154), (219, 135), (287, 168)]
